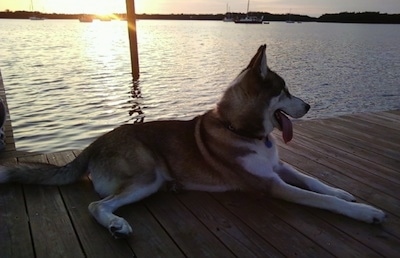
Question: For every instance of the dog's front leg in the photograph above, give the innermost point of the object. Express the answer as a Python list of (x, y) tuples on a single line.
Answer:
[(358, 211), (291, 176)]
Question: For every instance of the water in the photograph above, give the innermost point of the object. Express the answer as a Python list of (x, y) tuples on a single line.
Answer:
[(69, 82)]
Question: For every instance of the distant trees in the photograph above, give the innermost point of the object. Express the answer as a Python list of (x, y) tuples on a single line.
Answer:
[(344, 17), (364, 17)]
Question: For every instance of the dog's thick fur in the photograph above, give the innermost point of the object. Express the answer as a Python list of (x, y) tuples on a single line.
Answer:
[(227, 148)]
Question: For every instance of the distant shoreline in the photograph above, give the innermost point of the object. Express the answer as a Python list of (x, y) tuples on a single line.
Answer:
[(345, 17)]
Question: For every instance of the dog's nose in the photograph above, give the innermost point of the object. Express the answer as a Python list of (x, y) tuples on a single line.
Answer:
[(307, 107)]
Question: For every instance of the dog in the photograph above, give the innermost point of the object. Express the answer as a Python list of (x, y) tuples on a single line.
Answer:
[(227, 148)]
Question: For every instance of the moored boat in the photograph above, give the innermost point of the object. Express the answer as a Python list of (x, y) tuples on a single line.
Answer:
[(250, 19)]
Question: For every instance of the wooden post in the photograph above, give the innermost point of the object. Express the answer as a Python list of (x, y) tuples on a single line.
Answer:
[(131, 19)]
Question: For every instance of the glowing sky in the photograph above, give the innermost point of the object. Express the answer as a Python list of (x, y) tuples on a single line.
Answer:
[(308, 7)]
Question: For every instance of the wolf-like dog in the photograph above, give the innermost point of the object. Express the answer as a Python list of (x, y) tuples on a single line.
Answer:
[(227, 148)]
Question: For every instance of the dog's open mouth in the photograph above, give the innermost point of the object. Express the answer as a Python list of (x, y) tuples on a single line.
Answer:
[(285, 125)]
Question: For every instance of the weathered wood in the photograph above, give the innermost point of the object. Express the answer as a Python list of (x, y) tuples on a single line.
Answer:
[(321, 232), (378, 238), (95, 240), (131, 20), (357, 155), (343, 178), (351, 152), (52, 231), (286, 239), (150, 239), (359, 134), (15, 239), (347, 164), (235, 234), (182, 226), (394, 115), (375, 129), (9, 140), (376, 118)]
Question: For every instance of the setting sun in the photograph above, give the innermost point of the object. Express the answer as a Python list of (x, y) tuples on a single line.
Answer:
[(306, 7)]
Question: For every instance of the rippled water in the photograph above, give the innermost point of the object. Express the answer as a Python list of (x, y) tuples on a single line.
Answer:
[(68, 82)]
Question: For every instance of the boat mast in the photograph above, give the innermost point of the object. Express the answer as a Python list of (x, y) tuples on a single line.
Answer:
[(248, 3)]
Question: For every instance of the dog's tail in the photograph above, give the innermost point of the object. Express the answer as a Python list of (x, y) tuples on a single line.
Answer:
[(46, 174)]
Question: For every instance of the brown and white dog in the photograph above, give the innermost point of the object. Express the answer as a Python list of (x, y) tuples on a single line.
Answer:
[(227, 148)]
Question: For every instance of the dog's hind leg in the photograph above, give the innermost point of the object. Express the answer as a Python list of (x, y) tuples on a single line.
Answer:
[(103, 210), (294, 177)]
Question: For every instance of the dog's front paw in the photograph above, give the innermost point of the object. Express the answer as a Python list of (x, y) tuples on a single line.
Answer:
[(341, 194), (119, 228), (369, 214)]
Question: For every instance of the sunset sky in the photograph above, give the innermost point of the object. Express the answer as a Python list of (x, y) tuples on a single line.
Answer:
[(308, 7)]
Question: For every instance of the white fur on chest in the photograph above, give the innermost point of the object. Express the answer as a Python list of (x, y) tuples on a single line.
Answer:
[(262, 160)]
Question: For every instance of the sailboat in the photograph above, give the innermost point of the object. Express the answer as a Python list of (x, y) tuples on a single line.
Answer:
[(34, 18), (290, 17), (228, 17), (250, 19)]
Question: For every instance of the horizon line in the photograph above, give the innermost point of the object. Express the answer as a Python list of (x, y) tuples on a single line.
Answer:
[(358, 12)]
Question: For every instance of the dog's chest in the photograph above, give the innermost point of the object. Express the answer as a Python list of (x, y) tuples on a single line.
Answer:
[(261, 159)]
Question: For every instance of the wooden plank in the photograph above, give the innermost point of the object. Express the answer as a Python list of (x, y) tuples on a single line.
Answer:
[(9, 137), (277, 232), (15, 240), (192, 237), (393, 113), (344, 135), (384, 238), (52, 232), (339, 173), (383, 178), (364, 193), (321, 232), (378, 119), (236, 235), (376, 237), (375, 129), (195, 224), (370, 136), (359, 133), (149, 238), (95, 239), (341, 148), (384, 156)]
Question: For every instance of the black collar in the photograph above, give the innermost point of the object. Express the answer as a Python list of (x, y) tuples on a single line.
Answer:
[(243, 133)]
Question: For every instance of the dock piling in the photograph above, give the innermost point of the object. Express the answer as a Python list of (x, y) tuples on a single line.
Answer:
[(131, 19)]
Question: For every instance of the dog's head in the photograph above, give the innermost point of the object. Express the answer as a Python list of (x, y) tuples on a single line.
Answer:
[(258, 100)]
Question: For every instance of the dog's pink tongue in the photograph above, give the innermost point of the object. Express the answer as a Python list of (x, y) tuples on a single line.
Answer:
[(287, 128)]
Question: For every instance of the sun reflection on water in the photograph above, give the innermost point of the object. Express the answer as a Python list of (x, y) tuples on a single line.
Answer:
[(68, 82)]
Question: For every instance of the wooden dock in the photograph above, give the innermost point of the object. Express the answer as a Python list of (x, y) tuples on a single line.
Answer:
[(358, 153)]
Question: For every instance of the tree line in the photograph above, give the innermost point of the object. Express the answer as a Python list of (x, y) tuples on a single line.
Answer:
[(344, 17)]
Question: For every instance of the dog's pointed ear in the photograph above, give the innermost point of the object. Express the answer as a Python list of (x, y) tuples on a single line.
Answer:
[(259, 61)]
